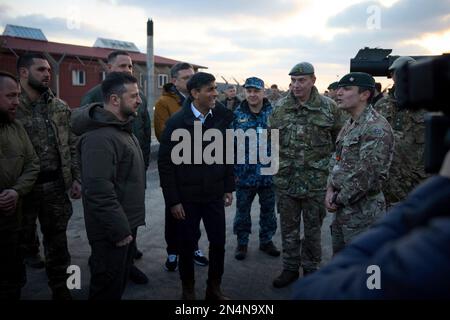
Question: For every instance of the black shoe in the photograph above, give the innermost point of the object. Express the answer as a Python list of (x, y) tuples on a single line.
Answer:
[(285, 278), (35, 261), (200, 259), (270, 249), (241, 252), (137, 276), (171, 263), (138, 254)]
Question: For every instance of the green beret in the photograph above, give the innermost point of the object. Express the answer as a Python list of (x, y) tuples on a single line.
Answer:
[(358, 79), (333, 86), (302, 69)]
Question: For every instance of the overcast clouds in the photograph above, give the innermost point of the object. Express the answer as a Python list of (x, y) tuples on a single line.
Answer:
[(240, 39)]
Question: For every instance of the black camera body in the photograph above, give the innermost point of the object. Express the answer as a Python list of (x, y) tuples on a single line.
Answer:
[(425, 84)]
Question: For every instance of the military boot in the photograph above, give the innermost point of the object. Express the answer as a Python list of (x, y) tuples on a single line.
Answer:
[(286, 277), (188, 290), (213, 291)]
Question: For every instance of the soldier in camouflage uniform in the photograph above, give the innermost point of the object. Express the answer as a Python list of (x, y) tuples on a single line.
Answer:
[(407, 168), (253, 114), (361, 162), (47, 122), (308, 125)]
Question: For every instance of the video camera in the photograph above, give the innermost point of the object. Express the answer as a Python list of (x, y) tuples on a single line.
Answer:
[(425, 85)]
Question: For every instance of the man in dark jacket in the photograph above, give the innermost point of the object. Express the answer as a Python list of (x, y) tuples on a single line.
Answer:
[(404, 256), (113, 178), (120, 61), (19, 168), (231, 101), (196, 188)]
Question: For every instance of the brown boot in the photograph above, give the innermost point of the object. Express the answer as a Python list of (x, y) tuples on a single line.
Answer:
[(213, 292), (188, 290)]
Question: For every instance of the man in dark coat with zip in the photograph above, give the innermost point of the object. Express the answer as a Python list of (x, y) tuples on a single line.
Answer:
[(195, 186)]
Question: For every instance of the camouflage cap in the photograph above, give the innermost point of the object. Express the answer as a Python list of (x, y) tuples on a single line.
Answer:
[(400, 61), (358, 79), (333, 86), (302, 69), (254, 82)]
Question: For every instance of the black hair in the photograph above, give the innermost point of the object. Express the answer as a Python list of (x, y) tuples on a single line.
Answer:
[(378, 86), (114, 83), (113, 55), (178, 67), (199, 80), (371, 90), (26, 60)]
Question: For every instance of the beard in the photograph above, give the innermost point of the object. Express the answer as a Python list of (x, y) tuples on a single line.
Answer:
[(36, 85), (4, 117), (127, 111)]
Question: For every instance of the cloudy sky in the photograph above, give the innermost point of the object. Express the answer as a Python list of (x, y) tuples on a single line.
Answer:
[(238, 39)]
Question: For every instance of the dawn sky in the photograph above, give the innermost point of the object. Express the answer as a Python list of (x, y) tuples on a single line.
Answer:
[(239, 39)]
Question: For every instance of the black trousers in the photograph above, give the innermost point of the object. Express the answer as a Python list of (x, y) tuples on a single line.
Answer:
[(213, 216), (171, 234), (110, 267), (12, 269)]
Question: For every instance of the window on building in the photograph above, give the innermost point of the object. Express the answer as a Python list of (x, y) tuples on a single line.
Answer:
[(162, 80), (78, 77)]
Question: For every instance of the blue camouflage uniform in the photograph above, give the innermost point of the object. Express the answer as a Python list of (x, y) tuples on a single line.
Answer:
[(249, 180)]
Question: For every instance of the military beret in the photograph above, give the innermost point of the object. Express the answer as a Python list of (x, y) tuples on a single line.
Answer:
[(358, 79), (333, 86), (302, 69), (254, 82)]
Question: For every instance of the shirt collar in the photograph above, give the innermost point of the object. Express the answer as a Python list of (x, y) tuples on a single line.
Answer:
[(198, 115)]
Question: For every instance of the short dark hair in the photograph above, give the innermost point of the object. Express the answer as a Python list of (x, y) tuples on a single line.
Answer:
[(371, 90), (179, 66), (26, 60), (114, 83), (274, 86), (199, 80), (378, 86), (4, 74), (113, 55)]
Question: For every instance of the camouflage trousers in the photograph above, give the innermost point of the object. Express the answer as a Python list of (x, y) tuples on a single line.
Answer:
[(267, 220), (352, 220), (12, 269), (50, 204), (297, 252)]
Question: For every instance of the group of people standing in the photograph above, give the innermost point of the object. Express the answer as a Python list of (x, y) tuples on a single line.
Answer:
[(334, 155)]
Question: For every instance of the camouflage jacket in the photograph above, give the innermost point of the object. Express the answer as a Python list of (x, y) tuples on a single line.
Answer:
[(409, 133), (47, 122), (364, 150), (307, 134), (249, 175)]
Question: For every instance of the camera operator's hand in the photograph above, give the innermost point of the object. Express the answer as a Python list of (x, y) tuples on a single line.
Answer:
[(445, 169)]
